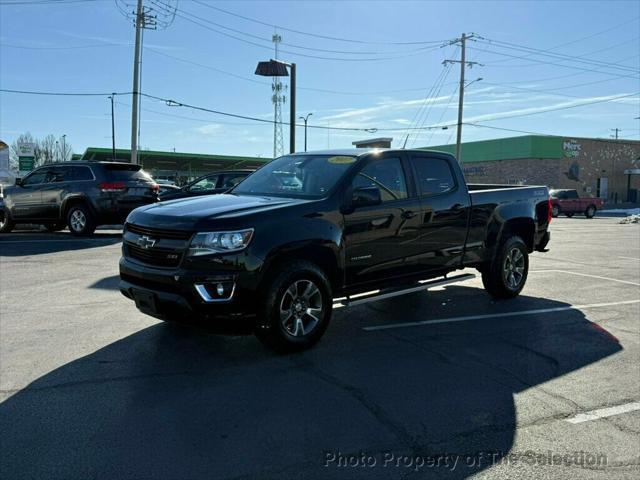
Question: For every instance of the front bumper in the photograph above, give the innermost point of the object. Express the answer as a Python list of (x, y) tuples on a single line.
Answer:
[(173, 294)]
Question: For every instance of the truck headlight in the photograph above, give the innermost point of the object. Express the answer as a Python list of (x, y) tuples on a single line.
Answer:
[(206, 243)]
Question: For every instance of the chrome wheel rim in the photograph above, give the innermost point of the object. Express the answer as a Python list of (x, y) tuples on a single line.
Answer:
[(301, 308), (590, 211), (513, 268), (78, 220), (555, 211), (3, 219)]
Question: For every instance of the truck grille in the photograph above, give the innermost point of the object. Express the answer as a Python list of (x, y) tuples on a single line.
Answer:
[(160, 257), (158, 232)]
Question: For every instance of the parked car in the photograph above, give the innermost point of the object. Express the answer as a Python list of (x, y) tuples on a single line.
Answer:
[(212, 183), (307, 228), (80, 195), (568, 202)]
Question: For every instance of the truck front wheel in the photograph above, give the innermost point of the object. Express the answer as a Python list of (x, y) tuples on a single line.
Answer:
[(296, 309), (506, 275)]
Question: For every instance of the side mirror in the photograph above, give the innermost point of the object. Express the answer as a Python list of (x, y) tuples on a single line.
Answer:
[(18, 181), (366, 197)]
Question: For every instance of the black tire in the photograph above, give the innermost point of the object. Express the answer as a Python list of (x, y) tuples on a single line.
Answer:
[(590, 212), (555, 211), (6, 223), (506, 275), (80, 220), (286, 304), (569, 215), (54, 227)]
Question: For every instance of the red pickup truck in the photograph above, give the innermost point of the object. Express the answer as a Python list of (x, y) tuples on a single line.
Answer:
[(568, 202)]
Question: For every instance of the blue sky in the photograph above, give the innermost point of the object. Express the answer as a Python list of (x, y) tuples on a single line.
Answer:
[(591, 54)]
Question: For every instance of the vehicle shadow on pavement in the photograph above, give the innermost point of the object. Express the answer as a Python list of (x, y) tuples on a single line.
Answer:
[(22, 244), (107, 283), (176, 402)]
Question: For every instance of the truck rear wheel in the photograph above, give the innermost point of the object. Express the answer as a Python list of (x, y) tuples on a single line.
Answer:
[(296, 308), (555, 211), (506, 275)]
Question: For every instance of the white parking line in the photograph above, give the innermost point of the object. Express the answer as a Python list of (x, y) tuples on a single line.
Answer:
[(629, 258), (604, 412), (498, 315), (587, 275)]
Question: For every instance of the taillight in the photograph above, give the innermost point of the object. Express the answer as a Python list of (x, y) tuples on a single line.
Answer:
[(155, 187), (549, 210), (112, 186)]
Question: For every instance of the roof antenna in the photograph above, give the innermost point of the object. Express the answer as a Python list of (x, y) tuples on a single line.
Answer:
[(404, 145)]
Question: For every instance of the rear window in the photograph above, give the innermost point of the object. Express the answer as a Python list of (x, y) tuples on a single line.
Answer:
[(126, 172)]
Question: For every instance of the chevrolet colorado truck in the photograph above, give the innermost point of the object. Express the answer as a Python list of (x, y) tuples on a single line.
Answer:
[(310, 227)]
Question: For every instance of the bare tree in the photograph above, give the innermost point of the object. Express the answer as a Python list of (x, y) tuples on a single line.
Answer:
[(47, 150)]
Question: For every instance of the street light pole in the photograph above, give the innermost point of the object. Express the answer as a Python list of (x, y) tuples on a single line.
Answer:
[(278, 68), (305, 119), (292, 113)]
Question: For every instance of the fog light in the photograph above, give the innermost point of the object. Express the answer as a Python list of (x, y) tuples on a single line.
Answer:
[(216, 291)]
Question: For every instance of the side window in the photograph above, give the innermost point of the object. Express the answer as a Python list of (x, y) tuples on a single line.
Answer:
[(82, 173), (58, 174), (387, 175), (572, 194), (204, 185), (433, 175), (35, 178), (232, 179)]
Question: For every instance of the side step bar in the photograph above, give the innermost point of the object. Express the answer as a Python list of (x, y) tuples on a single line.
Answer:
[(359, 299)]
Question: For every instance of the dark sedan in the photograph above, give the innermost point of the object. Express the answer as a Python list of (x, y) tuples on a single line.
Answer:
[(212, 183)]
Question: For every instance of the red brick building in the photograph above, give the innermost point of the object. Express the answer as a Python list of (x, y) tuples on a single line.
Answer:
[(595, 167)]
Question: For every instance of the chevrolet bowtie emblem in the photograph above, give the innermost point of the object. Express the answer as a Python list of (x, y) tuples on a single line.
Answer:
[(146, 242)]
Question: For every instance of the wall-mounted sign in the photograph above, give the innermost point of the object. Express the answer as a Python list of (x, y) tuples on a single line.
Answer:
[(26, 150), (571, 148)]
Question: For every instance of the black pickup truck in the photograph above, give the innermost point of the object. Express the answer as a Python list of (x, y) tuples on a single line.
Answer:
[(310, 227)]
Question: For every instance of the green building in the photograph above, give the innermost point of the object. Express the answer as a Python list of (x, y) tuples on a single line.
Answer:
[(176, 166)]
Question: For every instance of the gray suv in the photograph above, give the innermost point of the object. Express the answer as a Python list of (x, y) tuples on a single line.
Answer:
[(80, 195)]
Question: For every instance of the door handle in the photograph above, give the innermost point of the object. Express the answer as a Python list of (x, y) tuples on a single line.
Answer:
[(456, 207), (407, 214)]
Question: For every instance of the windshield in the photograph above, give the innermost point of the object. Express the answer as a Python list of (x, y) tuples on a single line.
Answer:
[(297, 176)]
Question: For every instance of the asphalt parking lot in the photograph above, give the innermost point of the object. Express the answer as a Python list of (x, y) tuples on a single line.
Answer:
[(444, 383)]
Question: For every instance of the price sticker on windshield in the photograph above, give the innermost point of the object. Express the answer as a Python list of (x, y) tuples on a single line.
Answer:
[(341, 160)]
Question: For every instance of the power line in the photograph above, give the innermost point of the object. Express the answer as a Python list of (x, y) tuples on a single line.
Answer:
[(253, 80), (181, 13), (65, 94), (74, 47), (566, 107), (527, 132), (173, 103), (571, 42), (309, 34), (557, 64), (546, 53)]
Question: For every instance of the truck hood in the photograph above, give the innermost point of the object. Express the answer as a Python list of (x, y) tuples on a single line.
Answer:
[(193, 213)]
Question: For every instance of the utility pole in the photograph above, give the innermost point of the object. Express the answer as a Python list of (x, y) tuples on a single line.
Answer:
[(463, 64), (64, 147), (138, 21), (305, 119), (141, 20), (616, 131), (113, 129)]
